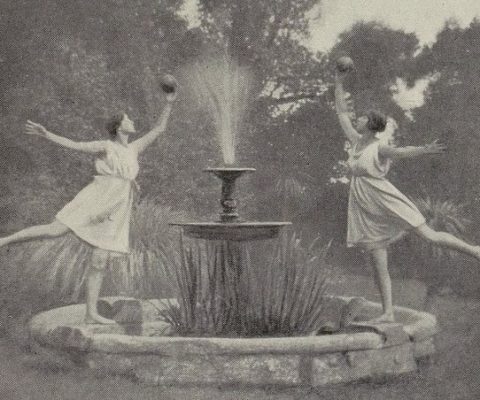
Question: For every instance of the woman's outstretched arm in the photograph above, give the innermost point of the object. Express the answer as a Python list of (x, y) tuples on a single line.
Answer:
[(160, 126), (392, 152), (33, 128), (342, 109)]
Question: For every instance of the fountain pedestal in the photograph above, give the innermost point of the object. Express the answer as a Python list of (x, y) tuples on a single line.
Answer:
[(230, 226), (228, 202)]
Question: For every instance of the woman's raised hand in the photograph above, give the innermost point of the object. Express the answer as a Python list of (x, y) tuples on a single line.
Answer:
[(32, 128), (435, 148), (169, 86), (171, 97)]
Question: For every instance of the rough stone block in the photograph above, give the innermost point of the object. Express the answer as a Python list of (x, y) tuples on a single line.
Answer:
[(125, 310), (108, 306), (156, 328), (114, 364), (253, 370), (354, 365), (424, 348), (393, 333)]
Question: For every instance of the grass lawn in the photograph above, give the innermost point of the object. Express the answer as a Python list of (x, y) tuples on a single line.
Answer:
[(453, 374)]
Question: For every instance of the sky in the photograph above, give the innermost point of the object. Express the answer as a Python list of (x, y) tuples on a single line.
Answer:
[(423, 17)]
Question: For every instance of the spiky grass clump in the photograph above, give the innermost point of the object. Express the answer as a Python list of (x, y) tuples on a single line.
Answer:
[(444, 216), (232, 289), (437, 266)]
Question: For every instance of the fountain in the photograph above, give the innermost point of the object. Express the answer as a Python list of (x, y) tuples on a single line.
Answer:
[(143, 345), (224, 88), (230, 226)]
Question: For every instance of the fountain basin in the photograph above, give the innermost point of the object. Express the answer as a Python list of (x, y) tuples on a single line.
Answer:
[(235, 231), (141, 347), (230, 226), (229, 172)]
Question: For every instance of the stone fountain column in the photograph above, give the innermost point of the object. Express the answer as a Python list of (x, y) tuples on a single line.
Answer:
[(229, 236)]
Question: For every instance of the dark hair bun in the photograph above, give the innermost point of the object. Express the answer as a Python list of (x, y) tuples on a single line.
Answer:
[(377, 121), (113, 124), (168, 83)]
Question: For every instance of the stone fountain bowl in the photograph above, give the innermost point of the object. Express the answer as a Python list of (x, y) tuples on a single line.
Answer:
[(141, 346), (230, 226), (234, 231)]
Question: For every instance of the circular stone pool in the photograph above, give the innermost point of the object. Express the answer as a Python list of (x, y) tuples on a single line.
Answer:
[(141, 346)]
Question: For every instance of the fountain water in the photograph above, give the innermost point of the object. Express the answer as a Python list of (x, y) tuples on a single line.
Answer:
[(223, 88)]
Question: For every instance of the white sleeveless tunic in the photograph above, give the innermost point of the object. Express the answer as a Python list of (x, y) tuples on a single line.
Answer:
[(100, 213), (378, 213)]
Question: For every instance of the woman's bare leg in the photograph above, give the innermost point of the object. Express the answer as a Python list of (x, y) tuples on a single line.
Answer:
[(54, 229), (384, 283), (447, 240), (95, 276), (371, 264)]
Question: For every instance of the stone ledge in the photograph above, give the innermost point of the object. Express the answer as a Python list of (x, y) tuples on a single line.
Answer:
[(174, 346), (140, 351)]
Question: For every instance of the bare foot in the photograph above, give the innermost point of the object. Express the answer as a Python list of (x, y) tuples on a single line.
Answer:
[(387, 317), (476, 254), (97, 319)]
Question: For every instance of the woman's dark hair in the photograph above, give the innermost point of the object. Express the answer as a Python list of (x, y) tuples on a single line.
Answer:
[(113, 124), (377, 121)]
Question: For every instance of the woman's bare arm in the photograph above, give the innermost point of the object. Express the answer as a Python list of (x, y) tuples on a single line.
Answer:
[(388, 151), (160, 126), (33, 128), (342, 109)]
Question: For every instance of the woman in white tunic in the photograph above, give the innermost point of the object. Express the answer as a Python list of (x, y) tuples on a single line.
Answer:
[(378, 213), (100, 213)]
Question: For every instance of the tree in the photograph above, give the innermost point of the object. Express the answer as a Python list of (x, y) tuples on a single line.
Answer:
[(450, 114), (70, 65), (381, 55)]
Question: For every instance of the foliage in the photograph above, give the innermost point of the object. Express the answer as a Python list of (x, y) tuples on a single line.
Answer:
[(229, 289), (450, 114), (437, 266), (381, 55), (443, 216)]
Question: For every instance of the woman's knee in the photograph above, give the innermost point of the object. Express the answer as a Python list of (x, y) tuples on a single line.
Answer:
[(56, 228), (100, 259), (427, 233), (379, 255)]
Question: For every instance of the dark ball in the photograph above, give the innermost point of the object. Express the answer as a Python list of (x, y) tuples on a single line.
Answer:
[(345, 64), (168, 84)]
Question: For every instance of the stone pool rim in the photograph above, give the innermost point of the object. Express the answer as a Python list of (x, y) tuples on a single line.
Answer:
[(329, 356)]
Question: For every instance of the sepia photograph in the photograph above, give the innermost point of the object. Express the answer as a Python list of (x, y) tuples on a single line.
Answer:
[(240, 200)]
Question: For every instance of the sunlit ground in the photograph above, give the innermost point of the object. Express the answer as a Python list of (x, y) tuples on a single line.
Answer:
[(453, 374)]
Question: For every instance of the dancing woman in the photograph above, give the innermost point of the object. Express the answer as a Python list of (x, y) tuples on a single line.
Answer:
[(378, 213), (100, 213)]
